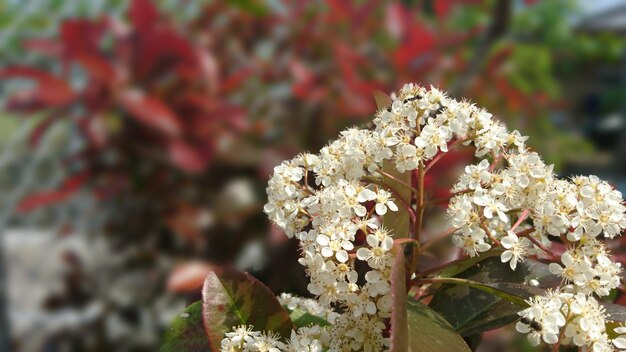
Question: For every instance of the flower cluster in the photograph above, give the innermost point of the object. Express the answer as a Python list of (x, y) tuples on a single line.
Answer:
[(589, 268), (335, 203), (243, 338), (579, 317)]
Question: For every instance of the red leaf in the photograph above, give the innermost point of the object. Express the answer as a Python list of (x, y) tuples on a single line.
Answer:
[(143, 14), (45, 198), (233, 81), (187, 158), (97, 67), (442, 8), (151, 112), (162, 49), (81, 36), (52, 91), (188, 277), (418, 41)]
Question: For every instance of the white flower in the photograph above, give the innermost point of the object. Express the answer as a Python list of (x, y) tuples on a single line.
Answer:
[(384, 201), (379, 251), (620, 341), (515, 249), (543, 319), (432, 139), (472, 241)]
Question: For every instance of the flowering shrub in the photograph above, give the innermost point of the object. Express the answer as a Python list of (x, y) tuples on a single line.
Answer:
[(357, 209)]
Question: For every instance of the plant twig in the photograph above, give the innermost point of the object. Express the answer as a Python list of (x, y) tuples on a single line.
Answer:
[(404, 204), (441, 154), (386, 174), (419, 200), (491, 237), (443, 199)]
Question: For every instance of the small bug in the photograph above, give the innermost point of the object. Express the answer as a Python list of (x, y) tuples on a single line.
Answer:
[(535, 325)]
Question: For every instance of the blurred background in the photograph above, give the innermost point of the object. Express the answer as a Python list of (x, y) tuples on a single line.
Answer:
[(137, 137)]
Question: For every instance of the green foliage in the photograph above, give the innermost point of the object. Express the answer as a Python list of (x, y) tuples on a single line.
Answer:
[(489, 294), (430, 332)]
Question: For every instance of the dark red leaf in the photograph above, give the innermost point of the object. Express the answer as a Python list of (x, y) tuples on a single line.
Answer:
[(151, 112), (162, 49), (45, 198)]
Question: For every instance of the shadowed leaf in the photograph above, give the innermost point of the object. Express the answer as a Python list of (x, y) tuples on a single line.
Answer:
[(429, 332), (474, 300)]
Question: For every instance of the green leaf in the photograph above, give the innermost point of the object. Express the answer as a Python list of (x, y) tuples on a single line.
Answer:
[(255, 7), (499, 314), (186, 333), (429, 332), (474, 301), (231, 298), (301, 318)]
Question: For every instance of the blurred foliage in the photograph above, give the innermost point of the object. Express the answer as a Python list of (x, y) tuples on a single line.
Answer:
[(269, 79)]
